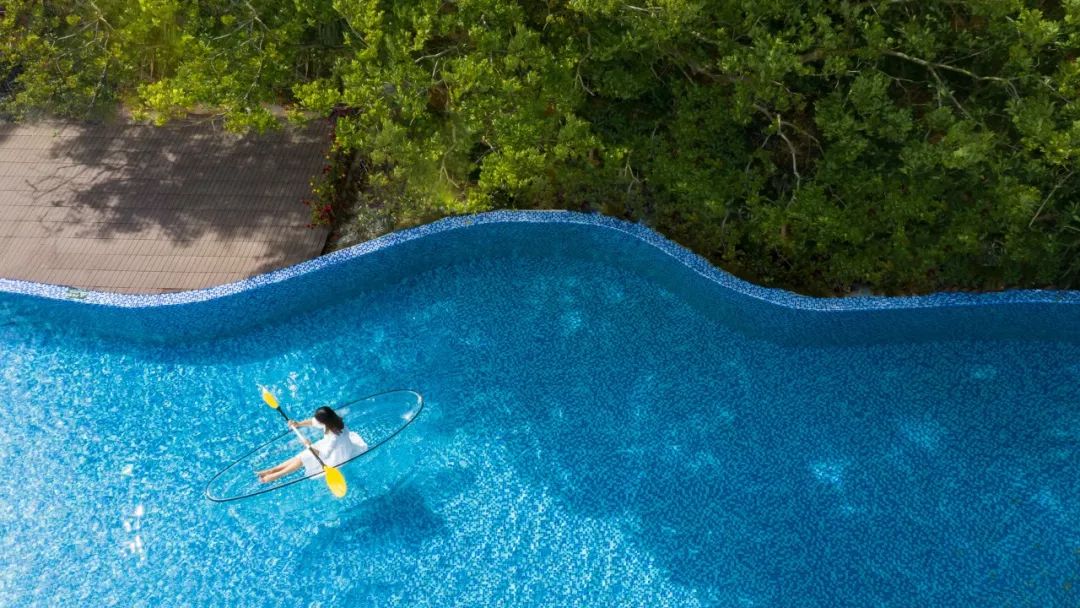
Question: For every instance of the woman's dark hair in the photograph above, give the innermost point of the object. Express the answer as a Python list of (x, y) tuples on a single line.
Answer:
[(330, 420)]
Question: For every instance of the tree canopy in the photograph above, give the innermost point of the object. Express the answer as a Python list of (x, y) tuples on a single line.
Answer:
[(819, 145)]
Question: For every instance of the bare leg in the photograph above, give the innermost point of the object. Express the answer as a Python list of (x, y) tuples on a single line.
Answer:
[(281, 470), (271, 469)]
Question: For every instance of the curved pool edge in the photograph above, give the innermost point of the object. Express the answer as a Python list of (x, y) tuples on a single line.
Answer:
[(693, 261)]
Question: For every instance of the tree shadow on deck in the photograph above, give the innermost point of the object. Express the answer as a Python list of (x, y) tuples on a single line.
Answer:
[(182, 182), (6, 130)]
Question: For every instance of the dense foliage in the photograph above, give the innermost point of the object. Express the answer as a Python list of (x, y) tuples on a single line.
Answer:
[(819, 145)]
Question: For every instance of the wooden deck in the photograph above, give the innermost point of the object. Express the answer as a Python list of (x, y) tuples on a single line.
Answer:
[(138, 209)]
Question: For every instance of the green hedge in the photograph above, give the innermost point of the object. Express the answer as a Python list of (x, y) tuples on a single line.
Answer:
[(907, 146)]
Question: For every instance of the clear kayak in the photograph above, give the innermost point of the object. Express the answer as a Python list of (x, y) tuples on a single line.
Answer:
[(377, 419)]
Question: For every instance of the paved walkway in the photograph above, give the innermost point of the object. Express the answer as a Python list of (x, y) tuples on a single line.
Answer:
[(146, 210)]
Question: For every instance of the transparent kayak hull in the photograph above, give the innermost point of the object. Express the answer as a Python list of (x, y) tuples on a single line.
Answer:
[(377, 419)]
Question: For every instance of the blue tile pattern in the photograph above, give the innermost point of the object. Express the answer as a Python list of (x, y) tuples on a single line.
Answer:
[(602, 427)]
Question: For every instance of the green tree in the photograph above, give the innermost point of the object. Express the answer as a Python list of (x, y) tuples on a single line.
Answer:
[(818, 145)]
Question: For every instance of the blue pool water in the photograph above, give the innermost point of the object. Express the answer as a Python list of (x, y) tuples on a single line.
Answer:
[(603, 427)]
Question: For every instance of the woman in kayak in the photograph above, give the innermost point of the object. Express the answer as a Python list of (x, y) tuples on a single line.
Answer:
[(338, 444)]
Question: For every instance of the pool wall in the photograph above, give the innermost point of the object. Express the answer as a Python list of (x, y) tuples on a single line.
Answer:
[(768, 313)]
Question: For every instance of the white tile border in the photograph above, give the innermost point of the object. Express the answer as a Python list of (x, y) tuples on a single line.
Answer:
[(693, 261)]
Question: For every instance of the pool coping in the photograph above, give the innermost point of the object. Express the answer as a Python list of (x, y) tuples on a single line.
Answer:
[(691, 260)]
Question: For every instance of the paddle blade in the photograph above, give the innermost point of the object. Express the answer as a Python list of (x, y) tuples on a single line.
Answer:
[(269, 398), (336, 482)]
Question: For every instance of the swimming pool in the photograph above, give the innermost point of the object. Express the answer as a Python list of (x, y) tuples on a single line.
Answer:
[(603, 425)]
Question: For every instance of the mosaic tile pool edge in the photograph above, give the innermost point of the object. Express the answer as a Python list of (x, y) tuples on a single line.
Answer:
[(766, 312), (690, 259)]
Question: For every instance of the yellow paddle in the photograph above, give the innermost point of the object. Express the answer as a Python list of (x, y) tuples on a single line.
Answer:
[(334, 479)]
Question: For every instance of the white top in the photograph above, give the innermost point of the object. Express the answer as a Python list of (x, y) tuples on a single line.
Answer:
[(334, 450)]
